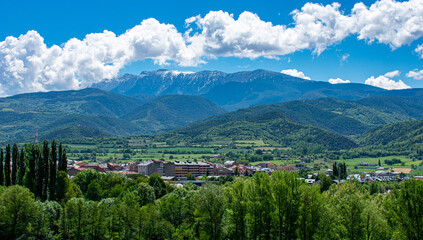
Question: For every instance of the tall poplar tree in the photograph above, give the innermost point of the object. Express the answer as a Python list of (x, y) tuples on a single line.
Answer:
[(45, 161), (21, 167), (53, 171), (40, 171), (60, 157), (7, 167), (335, 170), (31, 177), (1, 167), (64, 166), (63, 161), (15, 159)]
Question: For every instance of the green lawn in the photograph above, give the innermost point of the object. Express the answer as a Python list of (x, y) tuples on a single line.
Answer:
[(356, 161)]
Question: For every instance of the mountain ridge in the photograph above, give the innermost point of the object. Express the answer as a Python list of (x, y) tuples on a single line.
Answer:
[(345, 117), (240, 89), (95, 110)]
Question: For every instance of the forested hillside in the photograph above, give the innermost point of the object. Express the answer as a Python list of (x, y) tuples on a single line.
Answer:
[(171, 111), (338, 116), (272, 126), (92, 110), (403, 133), (22, 115)]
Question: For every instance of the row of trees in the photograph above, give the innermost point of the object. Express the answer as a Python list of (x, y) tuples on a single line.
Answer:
[(340, 170), (111, 206), (12, 172), (34, 166)]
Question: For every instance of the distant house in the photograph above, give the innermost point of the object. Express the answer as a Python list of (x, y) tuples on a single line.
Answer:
[(271, 166), (262, 164), (267, 170), (267, 165), (243, 170), (94, 166), (310, 180), (379, 173), (354, 176), (329, 172), (364, 164), (222, 170), (132, 166), (72, 171), (229, 164), (114, 166)]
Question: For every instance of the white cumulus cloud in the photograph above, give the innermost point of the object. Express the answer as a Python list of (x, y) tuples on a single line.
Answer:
[(392, 74), (390, 22), (344, 58), (27, 64), (416, 74), (338, 81), (295, 73), (386, 83), (419, 50)]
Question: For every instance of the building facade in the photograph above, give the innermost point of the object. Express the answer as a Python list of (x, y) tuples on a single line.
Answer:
[(181, 169), (149, 167)]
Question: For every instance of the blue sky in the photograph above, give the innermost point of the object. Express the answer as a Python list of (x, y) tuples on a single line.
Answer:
[(347, 57)]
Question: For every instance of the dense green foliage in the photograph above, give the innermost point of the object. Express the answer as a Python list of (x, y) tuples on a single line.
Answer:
[(405, 133), (22, 114), (1, 167), (75, 132), (339, 116), (105, 206), (107, 125), (269, 126), (171, 111)]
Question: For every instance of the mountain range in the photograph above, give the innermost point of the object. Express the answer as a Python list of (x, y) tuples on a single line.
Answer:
[(212, 106), (242, 89)]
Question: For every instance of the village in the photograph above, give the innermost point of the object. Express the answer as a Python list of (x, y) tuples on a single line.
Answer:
[(194, 171)]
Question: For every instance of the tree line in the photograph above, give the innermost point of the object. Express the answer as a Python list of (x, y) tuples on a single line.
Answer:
[(281, 206), (34, 166)]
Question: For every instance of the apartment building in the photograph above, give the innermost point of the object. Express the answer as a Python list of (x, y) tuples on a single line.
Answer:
[(181, 169)]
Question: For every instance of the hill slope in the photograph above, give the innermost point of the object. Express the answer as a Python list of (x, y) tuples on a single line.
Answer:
[(74, 132), (22, 114), (269, 126), (172, 111), (86, 101), (338, 116), (104, 111), (406, 133), (109, 125)]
